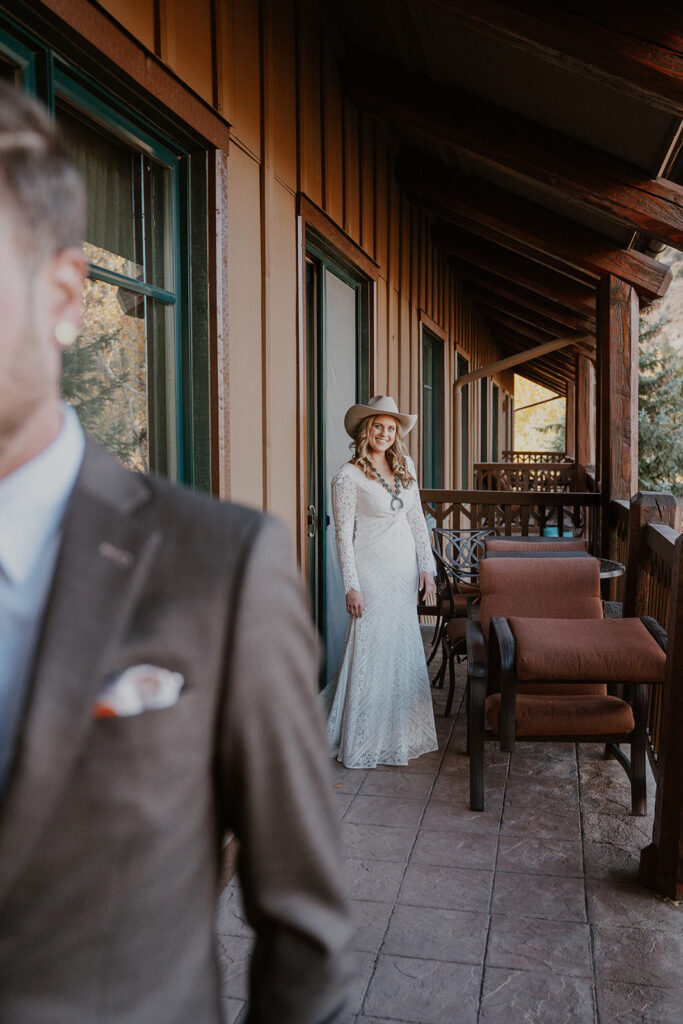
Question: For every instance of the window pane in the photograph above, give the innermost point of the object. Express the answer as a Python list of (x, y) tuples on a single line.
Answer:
[(129, 201), (9, 71), (121, 368)]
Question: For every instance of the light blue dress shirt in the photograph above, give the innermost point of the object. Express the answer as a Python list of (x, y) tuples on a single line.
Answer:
[(33, 500)]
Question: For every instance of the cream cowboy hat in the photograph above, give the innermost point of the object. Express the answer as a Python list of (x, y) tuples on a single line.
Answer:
[(380, 405)]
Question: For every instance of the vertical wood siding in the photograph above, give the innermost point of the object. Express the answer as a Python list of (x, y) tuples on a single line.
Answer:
[(270, 68)]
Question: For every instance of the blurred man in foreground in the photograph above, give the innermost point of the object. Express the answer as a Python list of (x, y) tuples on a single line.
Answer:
[(157, 687)]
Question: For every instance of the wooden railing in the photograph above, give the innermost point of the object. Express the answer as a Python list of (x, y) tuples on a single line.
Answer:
[(525, 476), (515, 512), (645, 534), (511, 455)]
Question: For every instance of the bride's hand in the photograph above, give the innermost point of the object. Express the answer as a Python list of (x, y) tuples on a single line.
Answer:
[(427, 586), (355, 605)]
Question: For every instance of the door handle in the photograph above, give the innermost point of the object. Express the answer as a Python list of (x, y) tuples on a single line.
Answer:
[(312, 520)]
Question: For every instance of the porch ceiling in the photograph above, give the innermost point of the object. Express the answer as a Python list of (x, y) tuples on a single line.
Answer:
[(545, 140)]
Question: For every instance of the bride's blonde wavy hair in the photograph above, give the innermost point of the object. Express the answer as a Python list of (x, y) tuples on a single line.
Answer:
[(396, 454)]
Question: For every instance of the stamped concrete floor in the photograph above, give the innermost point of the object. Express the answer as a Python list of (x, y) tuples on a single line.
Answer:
[(527, 912)]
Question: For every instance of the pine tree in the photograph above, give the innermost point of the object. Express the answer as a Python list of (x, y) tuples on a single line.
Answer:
[(660, 411)]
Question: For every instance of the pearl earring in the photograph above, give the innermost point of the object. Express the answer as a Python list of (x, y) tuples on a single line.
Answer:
[(66, 333)]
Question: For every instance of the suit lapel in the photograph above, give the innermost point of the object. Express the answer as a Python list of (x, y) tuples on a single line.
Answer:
[(103, 562)]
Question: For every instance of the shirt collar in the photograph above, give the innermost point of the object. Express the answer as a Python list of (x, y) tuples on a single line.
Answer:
[(34, 497)]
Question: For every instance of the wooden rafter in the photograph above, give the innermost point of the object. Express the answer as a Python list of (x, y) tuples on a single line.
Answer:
[(528, 229), (642, 59), (497, 286), (515, 360), (554, 369), (521, 313), (514, 269), (524, 149)]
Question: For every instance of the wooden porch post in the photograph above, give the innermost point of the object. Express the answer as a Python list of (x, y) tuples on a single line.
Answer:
[(570, 428), (661, 863), (617, 394), (585, 439)]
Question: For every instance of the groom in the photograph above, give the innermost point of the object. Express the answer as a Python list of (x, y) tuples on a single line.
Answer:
[(157, 688)]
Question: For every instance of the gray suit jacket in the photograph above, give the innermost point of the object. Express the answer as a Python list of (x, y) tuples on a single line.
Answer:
[(110, 830)]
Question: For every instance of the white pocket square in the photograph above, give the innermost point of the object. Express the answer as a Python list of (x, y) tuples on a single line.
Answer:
[(137, 689)]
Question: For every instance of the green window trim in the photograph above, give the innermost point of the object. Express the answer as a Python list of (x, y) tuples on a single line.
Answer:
[(75, 75), (432, 410)]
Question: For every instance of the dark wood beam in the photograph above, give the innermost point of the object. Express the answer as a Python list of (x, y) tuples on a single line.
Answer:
[(643, 59), (551, 369), (521, 148), (522, 298), (585, 414), (560, 364), (515, 269), (516, 359), (527, 228), (618, 394), (520, 312)]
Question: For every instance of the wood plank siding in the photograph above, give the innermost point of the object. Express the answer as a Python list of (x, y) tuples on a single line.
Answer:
[(271, 71)]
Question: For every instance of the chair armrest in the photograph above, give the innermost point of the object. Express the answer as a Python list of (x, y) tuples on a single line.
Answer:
[(477, 661), (503, 677), (653, 627), (504, 643)]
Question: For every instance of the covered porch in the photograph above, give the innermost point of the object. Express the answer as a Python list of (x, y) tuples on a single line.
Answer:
[(530, 910)]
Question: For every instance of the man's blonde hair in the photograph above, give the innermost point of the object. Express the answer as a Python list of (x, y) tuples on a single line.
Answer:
[(40, 187)]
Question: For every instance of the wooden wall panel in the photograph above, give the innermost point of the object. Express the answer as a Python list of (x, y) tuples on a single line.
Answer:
[(280, 356), (244, 310), (333, 137), (367, 182), (242, 74), (310, 112), (351, 173), (281, 54), (186, 31), (138, 18), (385, 211)]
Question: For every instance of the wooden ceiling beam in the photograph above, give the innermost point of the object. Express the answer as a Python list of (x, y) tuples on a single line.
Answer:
[(521, 297), (517, 146), (560, 363), (522, 313), (516, 270), (527, 228), (643, 58), (515, 360)]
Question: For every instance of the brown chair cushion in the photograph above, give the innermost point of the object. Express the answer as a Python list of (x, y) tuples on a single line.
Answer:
[(591, 649), (557, 588), (529, 544), (564, 715)]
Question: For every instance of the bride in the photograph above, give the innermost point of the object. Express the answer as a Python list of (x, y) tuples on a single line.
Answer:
[(379, 702)]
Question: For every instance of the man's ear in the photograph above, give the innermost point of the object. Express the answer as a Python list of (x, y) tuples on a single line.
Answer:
[(66, 276)]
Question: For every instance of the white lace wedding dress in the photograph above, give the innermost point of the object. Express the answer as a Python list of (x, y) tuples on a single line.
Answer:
[(379, 702)]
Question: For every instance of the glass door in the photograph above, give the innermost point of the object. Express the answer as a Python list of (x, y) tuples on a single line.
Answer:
[(337, 376)]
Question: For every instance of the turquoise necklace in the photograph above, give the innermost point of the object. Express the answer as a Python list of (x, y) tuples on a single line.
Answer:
[(396, 501)]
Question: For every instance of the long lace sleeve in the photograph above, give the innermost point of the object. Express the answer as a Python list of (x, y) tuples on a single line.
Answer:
[(344, 509), (418, 525)]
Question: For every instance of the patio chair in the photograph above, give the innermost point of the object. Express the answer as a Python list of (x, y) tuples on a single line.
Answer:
[(449, 604), (453, 645), (462, 551), (545, 665)]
